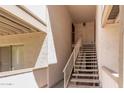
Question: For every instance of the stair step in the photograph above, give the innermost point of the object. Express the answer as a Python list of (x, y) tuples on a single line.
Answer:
[(84, 61), (86, 70), (88, 47), (86, 66), (87, 50), (80, 59), (86, 53), (85, 80), (87, 56), (82, 86), (80, 55), (89, 64), (90, 75)]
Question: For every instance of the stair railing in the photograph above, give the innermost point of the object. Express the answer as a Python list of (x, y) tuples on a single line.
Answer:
[(70, 64)]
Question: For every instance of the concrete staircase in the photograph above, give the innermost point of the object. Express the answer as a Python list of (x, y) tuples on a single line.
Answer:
[(85, 72)]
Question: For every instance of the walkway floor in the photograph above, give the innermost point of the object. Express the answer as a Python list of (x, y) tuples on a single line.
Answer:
[(59, 85)]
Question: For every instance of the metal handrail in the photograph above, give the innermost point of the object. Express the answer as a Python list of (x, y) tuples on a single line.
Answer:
[(70, 63)]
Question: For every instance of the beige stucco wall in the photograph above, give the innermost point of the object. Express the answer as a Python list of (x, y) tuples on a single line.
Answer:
[(32, 44), (24, 78), (107, 43), (85, 32), (121, 52), (61, 30)]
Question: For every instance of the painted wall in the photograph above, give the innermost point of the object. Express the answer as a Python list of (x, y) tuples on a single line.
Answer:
[(107, 43), (25, 80), (32, 44), (61, 31), (107, 81), (85, 32), (29, 78)]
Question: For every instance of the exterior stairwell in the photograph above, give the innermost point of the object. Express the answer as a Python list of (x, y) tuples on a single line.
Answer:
[(85, 70), (81, 70)]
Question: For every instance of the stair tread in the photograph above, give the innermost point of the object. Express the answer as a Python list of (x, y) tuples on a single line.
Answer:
[(87, 50), (86, 66), (86, 62), (81, 59), (87, 56), (84, 80), (87, 53), (85, 69), (78, 74), (82, 86)]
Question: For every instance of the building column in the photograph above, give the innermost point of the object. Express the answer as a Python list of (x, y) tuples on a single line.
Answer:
[(121, 50)]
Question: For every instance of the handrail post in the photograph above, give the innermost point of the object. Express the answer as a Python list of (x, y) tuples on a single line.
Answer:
[(64, 81), (71, 62)]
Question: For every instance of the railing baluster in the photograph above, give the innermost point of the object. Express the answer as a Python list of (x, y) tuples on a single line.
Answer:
[(71, 62)]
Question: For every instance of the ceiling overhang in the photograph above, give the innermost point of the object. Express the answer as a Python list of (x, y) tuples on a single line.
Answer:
[(10, 24), (82, 13)]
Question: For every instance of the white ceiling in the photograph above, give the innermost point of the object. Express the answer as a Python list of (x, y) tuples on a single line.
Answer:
[(82, 13)]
